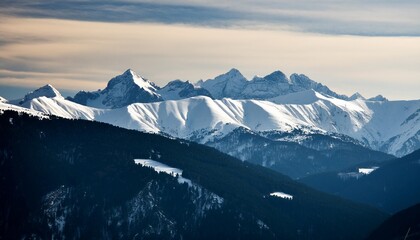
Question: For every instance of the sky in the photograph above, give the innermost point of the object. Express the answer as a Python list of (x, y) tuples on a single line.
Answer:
[(366, 46)]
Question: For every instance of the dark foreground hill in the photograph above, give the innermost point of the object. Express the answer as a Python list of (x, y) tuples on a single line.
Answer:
[(403, 225), (77, 179), (394, 186)]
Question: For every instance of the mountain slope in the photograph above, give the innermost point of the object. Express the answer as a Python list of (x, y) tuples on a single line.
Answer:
[(77, 179), (392, 187)]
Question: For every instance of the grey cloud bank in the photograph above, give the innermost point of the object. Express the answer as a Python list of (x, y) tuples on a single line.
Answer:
[(367, 18)]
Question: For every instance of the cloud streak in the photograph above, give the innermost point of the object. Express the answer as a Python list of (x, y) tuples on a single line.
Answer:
[(78, 55), (352, 17)]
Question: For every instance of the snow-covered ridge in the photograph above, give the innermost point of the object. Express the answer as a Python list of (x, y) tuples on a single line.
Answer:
[(391, 126), (6, 106)]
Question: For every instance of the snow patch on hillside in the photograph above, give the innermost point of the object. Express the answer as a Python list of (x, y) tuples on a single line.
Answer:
[(360, 173), (174, 172), (282, 195), (160, 167), (367, 171)]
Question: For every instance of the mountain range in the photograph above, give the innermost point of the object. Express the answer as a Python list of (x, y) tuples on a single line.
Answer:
[(130, 87), (209, 110), (234, 85), (63, 177)]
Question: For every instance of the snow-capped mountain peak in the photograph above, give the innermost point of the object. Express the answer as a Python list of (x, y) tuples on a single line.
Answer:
[(229, 84), (232, 75), (129, 77), (121, 91), (45, 91)]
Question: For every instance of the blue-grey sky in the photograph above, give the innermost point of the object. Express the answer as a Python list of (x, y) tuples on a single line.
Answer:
[(351, 17), (368, 46)]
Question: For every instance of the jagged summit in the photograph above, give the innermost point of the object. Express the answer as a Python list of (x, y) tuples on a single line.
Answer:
[(130, 71), (300, 82), (233, 71), (378, 98), (356, 96), (44, 91), (232, 74), (130, 78), (227, 85), (234, 85), (120, 91), (277, 76), (178, 89)]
